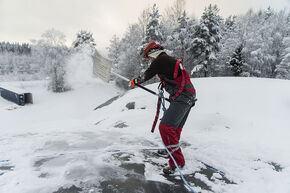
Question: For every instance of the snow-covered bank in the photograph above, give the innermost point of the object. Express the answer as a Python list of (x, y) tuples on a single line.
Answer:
[(51, 109), (239, 125)]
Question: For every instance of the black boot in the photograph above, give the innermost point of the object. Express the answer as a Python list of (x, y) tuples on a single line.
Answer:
[(162, 153), (171, 169)]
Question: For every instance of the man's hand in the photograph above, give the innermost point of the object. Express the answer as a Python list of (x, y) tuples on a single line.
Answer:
[(132, 83)]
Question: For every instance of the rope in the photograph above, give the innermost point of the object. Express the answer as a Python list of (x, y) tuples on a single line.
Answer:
[(181, 175), (163, 104), (161, 95), (157, 114)]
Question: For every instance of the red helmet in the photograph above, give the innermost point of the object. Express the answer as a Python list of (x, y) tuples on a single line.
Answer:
[(150, 48)]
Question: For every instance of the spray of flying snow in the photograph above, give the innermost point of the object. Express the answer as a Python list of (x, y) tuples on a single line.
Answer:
[(80, 68)]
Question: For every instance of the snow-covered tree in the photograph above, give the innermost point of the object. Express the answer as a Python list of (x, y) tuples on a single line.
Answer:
[(114, 51), (16, 48), (153, 31), (231, 39), (263, 33), (84, 38), (174, 12), (180, 35), (15, 60), (283, 69), (143, 21), (206, 45), (55, 53), (180, 38), (236, 62), (53, 37), (130, 61), (57, 71)]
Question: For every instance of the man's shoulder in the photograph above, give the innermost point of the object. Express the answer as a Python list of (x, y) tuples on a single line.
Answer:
[(165, 58)]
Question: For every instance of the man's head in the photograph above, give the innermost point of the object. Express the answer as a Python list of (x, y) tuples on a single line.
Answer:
[(152, 50)]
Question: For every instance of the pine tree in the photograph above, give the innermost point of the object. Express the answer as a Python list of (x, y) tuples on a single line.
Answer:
[(268, 13), (114, 51), (231, 39), (84, 38), (153, 31), (143, 21), (236, 62), (179, 40), (15, 48), (206, 44), (283, 69), (263, 33), (182, 34)]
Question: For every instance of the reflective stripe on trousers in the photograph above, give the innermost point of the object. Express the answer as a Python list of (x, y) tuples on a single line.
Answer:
[(170, 137)]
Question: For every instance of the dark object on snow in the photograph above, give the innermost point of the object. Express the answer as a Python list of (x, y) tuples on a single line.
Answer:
[(17, 96), (108, 102), (120, 125), (131, 105)]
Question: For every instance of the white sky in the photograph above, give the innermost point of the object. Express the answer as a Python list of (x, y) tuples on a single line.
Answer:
[(23, 20)]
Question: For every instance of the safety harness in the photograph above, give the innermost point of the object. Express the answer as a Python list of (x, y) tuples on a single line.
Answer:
[(183, 81)]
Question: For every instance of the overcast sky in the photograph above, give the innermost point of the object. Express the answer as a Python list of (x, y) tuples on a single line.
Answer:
[(23, 20)]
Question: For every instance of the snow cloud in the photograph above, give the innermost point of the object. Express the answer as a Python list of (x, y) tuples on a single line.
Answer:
[(79, 68)]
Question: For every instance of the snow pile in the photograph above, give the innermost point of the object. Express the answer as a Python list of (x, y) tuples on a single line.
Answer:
[(239, 126)]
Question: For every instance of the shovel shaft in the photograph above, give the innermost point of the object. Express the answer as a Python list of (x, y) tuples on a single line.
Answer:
[(140, 86)]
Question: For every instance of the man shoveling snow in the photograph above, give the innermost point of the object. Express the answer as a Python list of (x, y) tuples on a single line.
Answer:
[(176, 81)]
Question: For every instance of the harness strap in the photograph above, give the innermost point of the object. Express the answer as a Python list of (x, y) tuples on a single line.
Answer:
[(177, 66), (176, 69), (157, 114), (159, 102)]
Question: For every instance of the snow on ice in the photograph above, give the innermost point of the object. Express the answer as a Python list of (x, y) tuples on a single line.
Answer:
[(236, 139)]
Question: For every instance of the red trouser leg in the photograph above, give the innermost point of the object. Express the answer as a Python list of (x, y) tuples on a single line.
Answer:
[(170, 136)]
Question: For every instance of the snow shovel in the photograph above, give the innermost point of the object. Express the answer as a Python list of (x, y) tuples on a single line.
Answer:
[(102, 67), (148, 90)]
